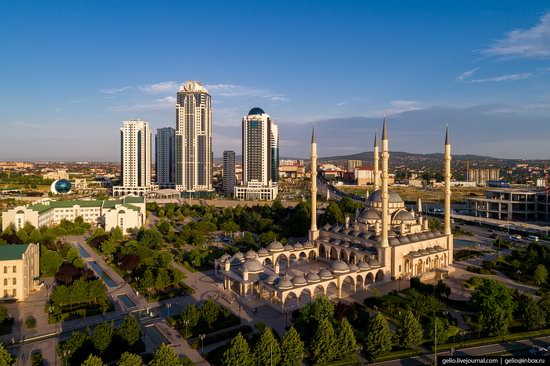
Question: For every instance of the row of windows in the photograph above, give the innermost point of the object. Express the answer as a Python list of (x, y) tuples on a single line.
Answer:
[(14, 280), (14, 269), (14, 293)]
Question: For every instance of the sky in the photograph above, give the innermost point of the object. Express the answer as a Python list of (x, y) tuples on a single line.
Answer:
[(72, 71)]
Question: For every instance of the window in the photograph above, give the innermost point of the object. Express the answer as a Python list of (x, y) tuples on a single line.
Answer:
[(5, 293), (5, 281), (15, 281), (5, 269), (14, 293), (14, 269)]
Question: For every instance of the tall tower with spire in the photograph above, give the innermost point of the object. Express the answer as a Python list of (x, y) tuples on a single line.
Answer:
[(375, 158), (313, 232), (447, 176), (385, 193)]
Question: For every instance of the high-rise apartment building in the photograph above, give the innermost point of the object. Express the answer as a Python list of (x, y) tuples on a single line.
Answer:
[(165, 157), (193, 138), (260, 153), (482, 175), (228, 183), (135, 159)]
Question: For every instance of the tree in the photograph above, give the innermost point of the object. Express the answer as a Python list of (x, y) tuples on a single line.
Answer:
[(409, 334), (149, 238), (189, 318), (292, 348), (379, 337), (74, 258), (130, 330), (267, 351), (437, 330), (66, 274), (3, 313), (238, 353), (541, 274), (346, 344), (5, 357), (93, 360), (165, 356), (163, 279), (130, 359), (102, 336), (532, 315), (544, 304), (323, 344), (333, 215), (50, 262), (229, 226), (210, 311), (148, 281), (318, 310), (495, 306), (108, 247)]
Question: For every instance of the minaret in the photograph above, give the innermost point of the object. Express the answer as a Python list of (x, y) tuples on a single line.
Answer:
[(313, 232), (419, 211), (447, 176), (376, 170), (385, 193)]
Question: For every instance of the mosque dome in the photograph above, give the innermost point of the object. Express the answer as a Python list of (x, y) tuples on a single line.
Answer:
[(298, 246), (255, 111), (271, 279), (363, 265), (325, 274), (235, 262), (239, 256), (422, 236), (284, 284), (430, 235), (251, 255), (339, 266), (376, 196), (288, 247), (353, 267), (370, 214), (224, 257), (312, 277), (253, 266), (404, 240), (308, 244), (299, 281), (403, 215), (394, 241), (275, 246), (374, 263), (263, 252)]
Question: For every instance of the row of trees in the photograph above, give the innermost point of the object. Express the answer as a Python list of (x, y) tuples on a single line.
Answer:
[(164, 356), (192, 316), (81, 294), (267, 350)]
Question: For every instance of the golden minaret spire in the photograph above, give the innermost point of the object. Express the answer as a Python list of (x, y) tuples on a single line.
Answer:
[(385, 193), (447, 176), (313, 232)]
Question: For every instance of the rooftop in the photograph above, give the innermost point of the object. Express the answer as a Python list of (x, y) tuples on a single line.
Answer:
[(12, 252)]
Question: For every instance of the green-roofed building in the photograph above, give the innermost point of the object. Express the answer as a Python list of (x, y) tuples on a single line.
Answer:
[(19, 270), (125, 213)]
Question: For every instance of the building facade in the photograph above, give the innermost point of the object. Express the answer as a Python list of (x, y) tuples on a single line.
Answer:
[(352, 164), (482, 175), (512, 204), (135, 159), (127, 213), (260, 153), (193, 138), (384, 242), (229, 179), (19, 270), (165, 157)]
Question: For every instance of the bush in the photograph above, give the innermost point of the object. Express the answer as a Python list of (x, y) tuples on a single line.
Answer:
[(30, 322), (36, 359)]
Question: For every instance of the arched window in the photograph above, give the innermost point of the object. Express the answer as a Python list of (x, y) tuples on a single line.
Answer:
[(15, 281), (14, 269), (5, 281)]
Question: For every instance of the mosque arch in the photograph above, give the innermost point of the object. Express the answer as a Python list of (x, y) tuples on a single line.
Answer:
[(312, 255), (348, 285), (437, 262), (369, 278), (302, 258), (332, 290), (360, 283), (292, 258), (428, 264), (343, 255), (419, 267), (322, 251), (319, 290), (353, 258), (267, 261), (379, 276), (305, 297), (291, 301), (334, 255)]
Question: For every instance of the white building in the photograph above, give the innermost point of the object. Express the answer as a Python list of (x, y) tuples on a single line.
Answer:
[(193, 138), (135, 155), (127, 213), (19, 270), (165, 157), (260, 151)]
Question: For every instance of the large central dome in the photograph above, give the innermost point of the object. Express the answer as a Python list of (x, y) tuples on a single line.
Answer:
[(376, 196)]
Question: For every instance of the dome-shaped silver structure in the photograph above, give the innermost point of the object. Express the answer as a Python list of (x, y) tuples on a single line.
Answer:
[(363, 265), (275, 246), (288, 247), (239, 256), (284, 283), (376, 196), (298, 246), (325, 274), (253, 266), (374, 263), (353, 267), (263, 252), (251, 255), (339, 266), (308, 244), (223, 258), (403, 216), (271, 279), (299, 281), (313, 277)]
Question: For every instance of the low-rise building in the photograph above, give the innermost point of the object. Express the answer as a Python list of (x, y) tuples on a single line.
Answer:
[(57, 174), (512, 204), (292, 171), (126, 213), (19, 270), (256, 191)]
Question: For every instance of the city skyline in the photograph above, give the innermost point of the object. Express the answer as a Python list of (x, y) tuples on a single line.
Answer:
[(481, 68)]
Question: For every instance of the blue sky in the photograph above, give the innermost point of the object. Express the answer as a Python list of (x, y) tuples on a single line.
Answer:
[(71, 71)]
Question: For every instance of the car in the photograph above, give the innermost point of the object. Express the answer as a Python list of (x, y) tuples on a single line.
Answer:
[(515, 237), (533, 237), (537, 350)]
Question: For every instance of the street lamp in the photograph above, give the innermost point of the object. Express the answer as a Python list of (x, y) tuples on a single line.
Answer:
[(168, 306), (186, 323), (202, 336), (12, 344), (519, 274)]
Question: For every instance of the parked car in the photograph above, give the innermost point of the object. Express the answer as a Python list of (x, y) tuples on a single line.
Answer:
[(533, 237), (537, 350)]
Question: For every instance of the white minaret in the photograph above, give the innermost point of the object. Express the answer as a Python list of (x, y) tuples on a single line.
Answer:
[(447, 176), (376, 170), (385, 193), (313, 232)]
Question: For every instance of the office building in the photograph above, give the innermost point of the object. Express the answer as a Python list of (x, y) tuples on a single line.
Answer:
[(260, 152), (19, 270), (127, 213), (193, 138), (135, 159), (352, 164), (165, 157), (482, 175), (229, 180)]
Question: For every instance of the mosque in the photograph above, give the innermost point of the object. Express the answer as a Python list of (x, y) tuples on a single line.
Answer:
[(384, 242)]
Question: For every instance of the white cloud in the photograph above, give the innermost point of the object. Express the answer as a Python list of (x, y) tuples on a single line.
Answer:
[(399, 106), (509, 77), (165, 103), (231, 90), (277, 97), (524, 43), (342, 103), (164, 86), (115, 90), (467, 74)]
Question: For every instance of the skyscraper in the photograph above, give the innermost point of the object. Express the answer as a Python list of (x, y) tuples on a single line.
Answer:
[(135, 159), (228, 183), (193, 138), (165, 157), (274, 152), (260, 149)]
